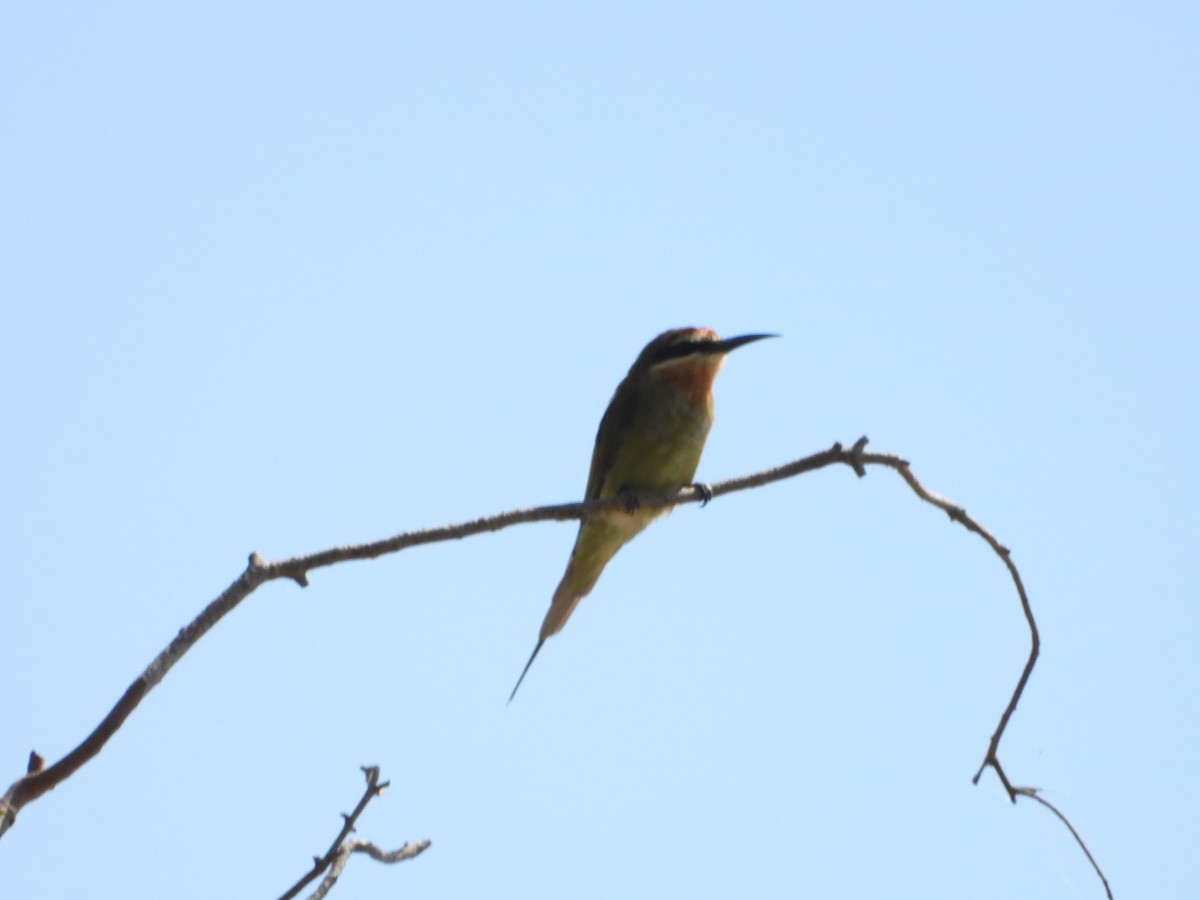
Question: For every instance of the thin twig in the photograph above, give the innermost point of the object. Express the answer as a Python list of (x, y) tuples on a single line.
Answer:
[(958, 514), (1034, 794), (354, 845), (339, 851)]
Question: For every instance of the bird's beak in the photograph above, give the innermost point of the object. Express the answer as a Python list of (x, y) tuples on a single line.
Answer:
[(730, 344)]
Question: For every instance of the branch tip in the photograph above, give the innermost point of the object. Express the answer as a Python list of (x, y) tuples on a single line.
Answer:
[(1033, 794)]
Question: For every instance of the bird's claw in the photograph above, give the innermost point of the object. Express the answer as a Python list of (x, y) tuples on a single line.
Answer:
[(704, 491)]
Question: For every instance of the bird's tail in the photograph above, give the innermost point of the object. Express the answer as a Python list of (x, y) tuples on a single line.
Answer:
[(532, 657), (594, 547), (566, 597)]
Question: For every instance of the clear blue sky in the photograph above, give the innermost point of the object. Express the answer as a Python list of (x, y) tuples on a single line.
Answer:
[(278, 277)]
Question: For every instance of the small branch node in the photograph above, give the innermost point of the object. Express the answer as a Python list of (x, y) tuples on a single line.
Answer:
[(994, 764), (36, 763), (856, 457)]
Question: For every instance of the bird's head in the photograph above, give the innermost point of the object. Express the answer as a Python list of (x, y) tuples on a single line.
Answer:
[(689, 358)]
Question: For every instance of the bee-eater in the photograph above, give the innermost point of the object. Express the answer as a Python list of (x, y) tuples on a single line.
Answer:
[(649, 442)]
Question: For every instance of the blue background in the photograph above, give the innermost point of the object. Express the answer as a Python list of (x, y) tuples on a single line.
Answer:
[(278, 277)]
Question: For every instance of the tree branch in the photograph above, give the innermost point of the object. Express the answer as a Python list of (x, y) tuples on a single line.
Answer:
[(343, 845), (37, 782)]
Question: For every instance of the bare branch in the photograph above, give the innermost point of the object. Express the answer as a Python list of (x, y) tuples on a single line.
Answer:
[(33, 784), (343, 845), (37, 782), (958, 514)]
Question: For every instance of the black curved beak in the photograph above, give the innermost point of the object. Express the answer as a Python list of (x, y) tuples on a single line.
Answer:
[(730, 344)]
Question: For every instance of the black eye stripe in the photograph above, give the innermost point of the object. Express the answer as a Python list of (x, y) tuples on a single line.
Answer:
[(680, 350)]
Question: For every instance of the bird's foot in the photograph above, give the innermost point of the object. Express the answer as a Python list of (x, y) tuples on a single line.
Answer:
[(632, 503), (704, 491)]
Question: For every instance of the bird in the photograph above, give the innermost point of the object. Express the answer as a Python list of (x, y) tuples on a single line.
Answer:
[(649, 442)]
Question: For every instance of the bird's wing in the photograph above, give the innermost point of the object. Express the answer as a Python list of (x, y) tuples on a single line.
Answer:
[(621, 410)]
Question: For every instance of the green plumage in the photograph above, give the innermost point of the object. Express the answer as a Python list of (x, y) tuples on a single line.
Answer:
[(649, 442)]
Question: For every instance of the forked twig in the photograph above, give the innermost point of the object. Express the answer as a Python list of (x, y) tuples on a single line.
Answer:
[(335, 858)]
